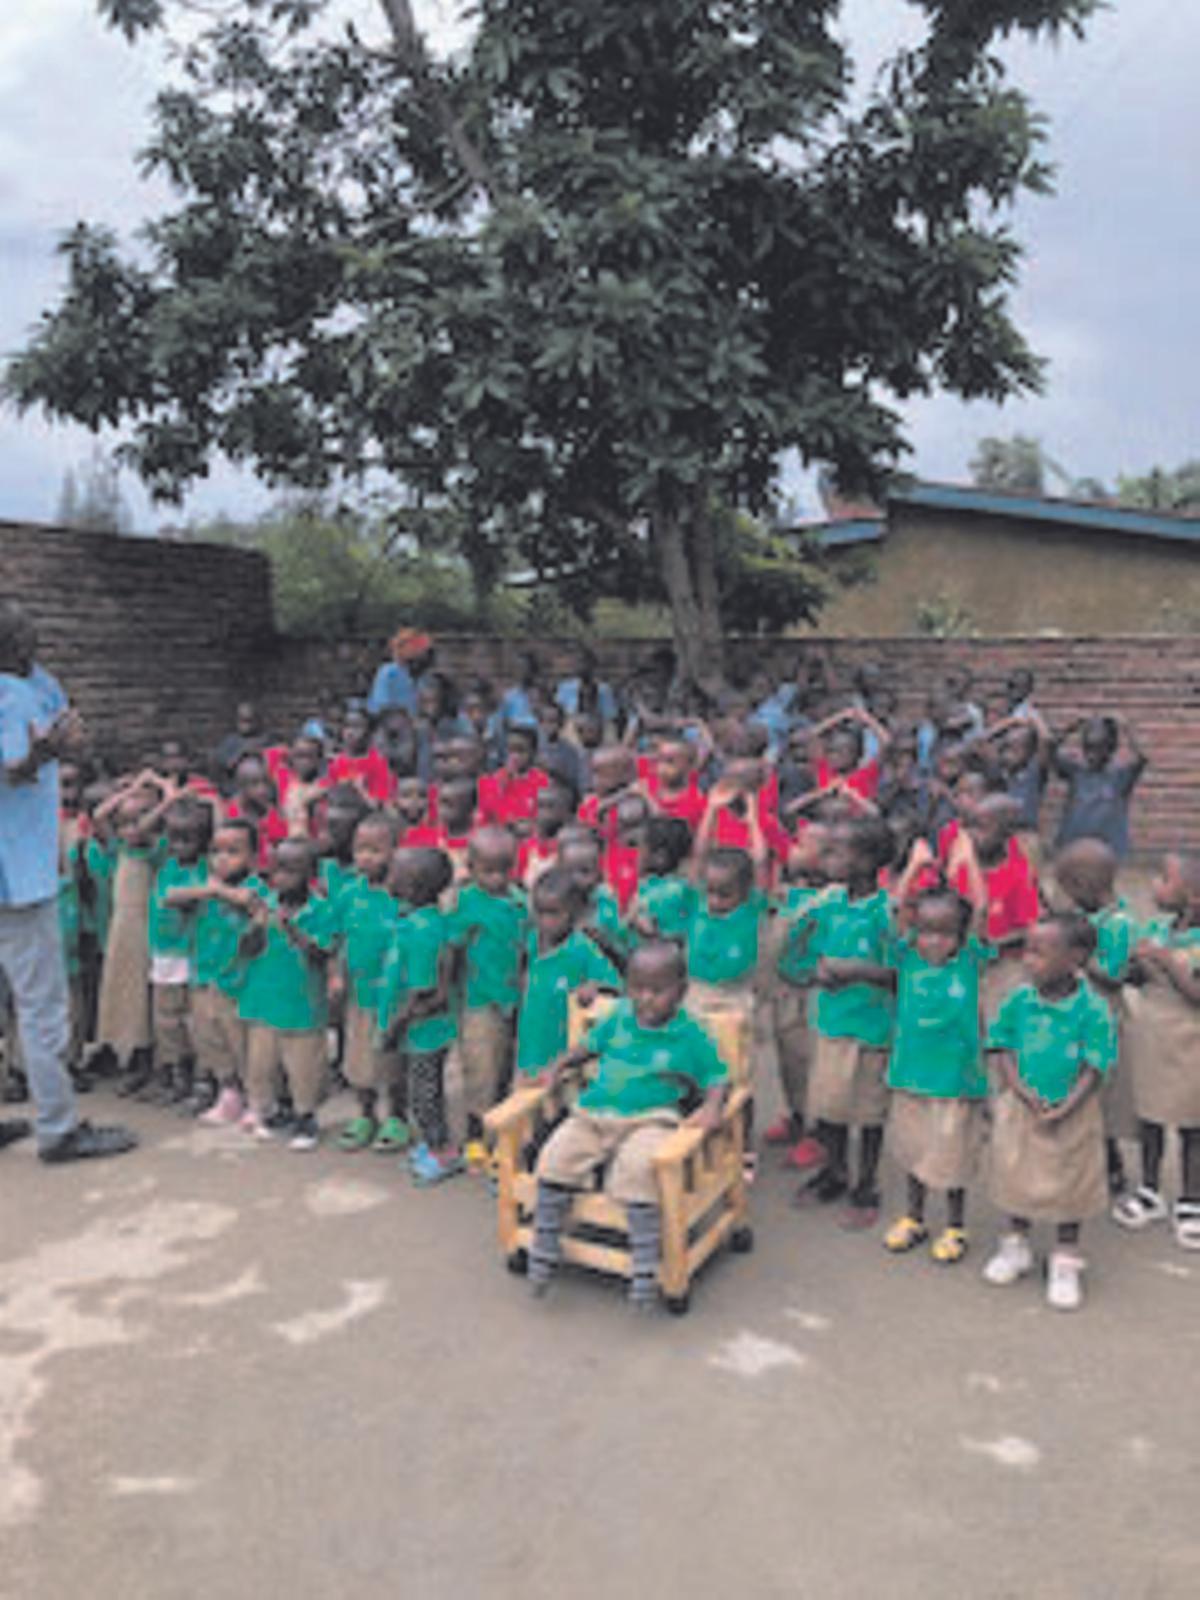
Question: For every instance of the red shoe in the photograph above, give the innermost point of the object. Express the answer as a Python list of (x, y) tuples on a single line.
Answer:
[(781, 1131), (807, 1154)]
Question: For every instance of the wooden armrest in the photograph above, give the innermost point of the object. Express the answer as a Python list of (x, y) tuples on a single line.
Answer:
[(520, 1104), (685, 1140)]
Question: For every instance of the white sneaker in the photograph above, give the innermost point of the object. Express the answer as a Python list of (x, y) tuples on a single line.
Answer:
[(1012, 1259), (1064, 1281)]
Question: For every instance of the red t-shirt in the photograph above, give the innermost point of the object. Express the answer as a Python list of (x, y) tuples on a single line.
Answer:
[(734, 831), (589, 815), (622, 868), (272, 830), (863, 781), (688, 804), (505, 797), (423, 836), (534, 853), (1012, 893), (370, 772)]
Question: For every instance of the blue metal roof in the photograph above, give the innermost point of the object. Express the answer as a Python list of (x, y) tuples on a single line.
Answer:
[(1031, 508), (833, 535)]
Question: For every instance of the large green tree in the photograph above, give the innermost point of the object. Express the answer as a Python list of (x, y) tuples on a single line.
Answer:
[(588, 280)]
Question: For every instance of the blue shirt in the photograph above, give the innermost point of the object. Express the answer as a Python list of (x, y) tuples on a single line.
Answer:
[(393, 689), (567, 695), (28, 811)]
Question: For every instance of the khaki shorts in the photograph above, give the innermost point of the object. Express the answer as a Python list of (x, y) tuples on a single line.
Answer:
[(485, 1050), (218, 1034), (624, 1146), (171, 1011), (847, 1083), (365, 1063), (301, 1057)]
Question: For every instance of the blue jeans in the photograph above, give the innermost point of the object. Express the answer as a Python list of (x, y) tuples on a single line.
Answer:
[(31, 958)]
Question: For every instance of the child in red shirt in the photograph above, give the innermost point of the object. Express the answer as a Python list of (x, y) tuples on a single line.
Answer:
[(254, 800), (555, 807), (836, 751), (739, 817), (358, 762), (614, 774), (508, 798), (987, 867), (670, 783), (301, 786)]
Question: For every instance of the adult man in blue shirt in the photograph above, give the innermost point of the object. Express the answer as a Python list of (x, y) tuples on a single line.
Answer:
[(36, 727)]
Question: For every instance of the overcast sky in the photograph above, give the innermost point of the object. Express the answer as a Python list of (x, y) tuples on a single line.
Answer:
[(1106, 290)]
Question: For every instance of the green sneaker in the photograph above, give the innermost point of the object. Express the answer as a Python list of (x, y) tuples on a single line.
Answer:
[(357, 1135), (393, 1134)]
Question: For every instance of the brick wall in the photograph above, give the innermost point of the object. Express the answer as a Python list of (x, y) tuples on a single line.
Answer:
[(149, 637), (154, 639)]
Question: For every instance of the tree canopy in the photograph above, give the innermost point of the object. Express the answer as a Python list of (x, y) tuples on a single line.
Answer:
[(584, 282)]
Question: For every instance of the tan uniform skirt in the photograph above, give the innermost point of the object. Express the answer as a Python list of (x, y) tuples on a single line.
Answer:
[(847, 1082), (124, 1015), (938, 1141), (1052, 1172), (1162, 1050), (1116, 1092), (711, 999)]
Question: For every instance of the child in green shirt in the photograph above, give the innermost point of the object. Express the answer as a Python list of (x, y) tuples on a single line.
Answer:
[(935, 1074), (666, 898), (188, 829), (282, 996), (414, 1005), (1085, 873), (1163, 1037), (723, 932), (220, 910), (805, 883), (652, 1059), (579, 854), (1051, 1043), (488, 926), (365, 916), (560, 960), (840, 945)]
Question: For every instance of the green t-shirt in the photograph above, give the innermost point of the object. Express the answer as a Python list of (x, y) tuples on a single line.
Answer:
[(603, 912), (797, 959), (100, 865), (1116, 938), (69, 921), (282, 988), (216, 929), (936, 1049), (550, 980), (169, 928), (669, 903), (333, 875), (849, 930), (413, 962), (365, 916), (490, 928), (1167, 932), (725, 949), (1054, 1040), (648, 1069)]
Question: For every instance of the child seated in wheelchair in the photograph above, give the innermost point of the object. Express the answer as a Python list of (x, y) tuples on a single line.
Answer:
[(654, 1064)]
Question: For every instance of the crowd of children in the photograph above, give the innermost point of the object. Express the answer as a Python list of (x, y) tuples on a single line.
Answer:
[(438, 879)]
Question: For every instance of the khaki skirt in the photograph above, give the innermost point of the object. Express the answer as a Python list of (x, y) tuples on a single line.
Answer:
[(1050, 1172), (124, 1015), (1116, 1092), (938, 1141), (1162, 1056), (847, 1082)]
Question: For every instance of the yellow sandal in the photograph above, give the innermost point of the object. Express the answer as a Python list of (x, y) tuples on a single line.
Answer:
[(950, 1246), (906, 1233)]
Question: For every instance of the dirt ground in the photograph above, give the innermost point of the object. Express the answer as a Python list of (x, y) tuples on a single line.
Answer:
[(230, 1371)]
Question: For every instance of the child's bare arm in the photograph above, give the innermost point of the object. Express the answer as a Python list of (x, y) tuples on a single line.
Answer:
[(1086, 1084), (708, 1114)]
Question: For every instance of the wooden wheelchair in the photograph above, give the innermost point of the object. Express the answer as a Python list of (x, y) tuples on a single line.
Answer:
[(701, 1176)]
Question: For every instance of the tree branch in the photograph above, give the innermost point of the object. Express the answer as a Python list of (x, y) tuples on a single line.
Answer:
[(410, 48)]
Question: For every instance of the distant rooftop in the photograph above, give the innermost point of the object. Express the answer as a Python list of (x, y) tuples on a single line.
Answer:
[(1041, 508)]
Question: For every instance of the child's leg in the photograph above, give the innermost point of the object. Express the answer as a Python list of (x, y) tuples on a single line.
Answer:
[(956, 1208), (485, 1045), (262, 1066), (831, 1182), (1116, 1166), (870, 1148), (909, 1230), (360, 1067), (791, 1047), (1152, 1137), (1013, 1257), (645, 1251), (426, 1074), (1189, 1164), (549, 1219), (304, 1057), (1064, 1282), (917, 1193)]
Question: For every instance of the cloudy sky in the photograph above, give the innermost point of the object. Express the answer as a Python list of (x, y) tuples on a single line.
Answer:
[(1107, 292)]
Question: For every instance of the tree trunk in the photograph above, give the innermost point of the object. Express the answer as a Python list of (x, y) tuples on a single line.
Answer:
[(687, 562)]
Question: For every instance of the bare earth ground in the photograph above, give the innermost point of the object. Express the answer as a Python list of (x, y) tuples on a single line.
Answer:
[(231, 1371)]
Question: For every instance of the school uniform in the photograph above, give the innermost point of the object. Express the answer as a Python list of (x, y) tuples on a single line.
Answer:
[(724, 961), (551, 977), (218, 1032), (1055, 1172), (123, 1021), (419, 941), (668, 902), (1163, 1038), (1117, 934), (1012, 907), (935, 1072), (790, 998), (170, 945), (852, 1025), (632, 1103), (281, 997), (365, 917), (489, 929)]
